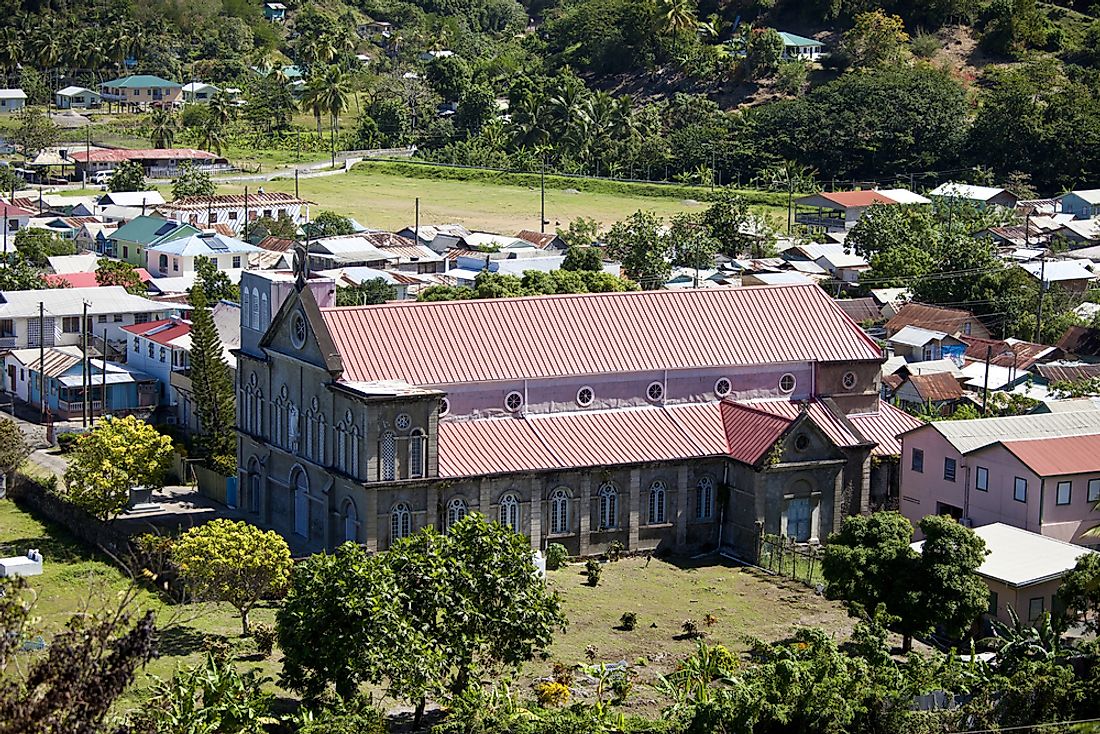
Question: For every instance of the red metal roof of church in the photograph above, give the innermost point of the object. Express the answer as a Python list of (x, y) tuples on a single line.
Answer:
[(455, 342)]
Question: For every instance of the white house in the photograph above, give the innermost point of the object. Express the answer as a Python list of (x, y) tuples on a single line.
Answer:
[(981, 196), (800, 47), (12, 100), (234, 209), (175, 257), (77, 98), (139, 199), (15, 217), (199, 92), (52, 317)]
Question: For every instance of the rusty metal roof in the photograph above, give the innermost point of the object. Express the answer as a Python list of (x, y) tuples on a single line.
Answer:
[(936, 386), (1026, 353), (456, 342), (1059, 455), (884, 427), (221, 201), (105, 155), (950, 320)]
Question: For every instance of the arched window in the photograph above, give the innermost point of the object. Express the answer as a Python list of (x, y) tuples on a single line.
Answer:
[(253, 485), (351, 522), (559, 511), (509, 512), (265, 312), (258, 407), (341, 447), (353, 451), (657, 503), (310, 426), (387, 454), (245, 303), (609, 507), (704, 499), (416, 453), (456, 510), (322, 429), (300, 482), (254, 316), (400, 522)]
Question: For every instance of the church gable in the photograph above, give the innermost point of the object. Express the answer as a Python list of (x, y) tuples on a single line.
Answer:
[(298, 330)]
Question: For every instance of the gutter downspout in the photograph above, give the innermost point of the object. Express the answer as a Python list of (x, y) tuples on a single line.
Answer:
[(1042, 494)]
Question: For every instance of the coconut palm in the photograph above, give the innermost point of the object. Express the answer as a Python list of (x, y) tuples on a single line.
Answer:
[(790, 177), (313, 98), (678, 15), (221, 108), (11, 50), (337, 94), (212, 136), (162, 128)]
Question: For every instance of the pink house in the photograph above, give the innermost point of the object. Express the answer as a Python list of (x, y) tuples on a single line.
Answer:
[(1036, 472)]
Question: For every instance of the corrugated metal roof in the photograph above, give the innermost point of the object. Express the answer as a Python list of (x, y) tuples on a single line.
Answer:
[(750, 431), (70, 302), (1067, 372), (147, 154), (551, 336), (950, 320), (936, 387), (884, 427), (163, 331), (831, 425), (1009, 353), (1081, 340), (57, 360), (969, 435), (203, 203), (1057, 455)]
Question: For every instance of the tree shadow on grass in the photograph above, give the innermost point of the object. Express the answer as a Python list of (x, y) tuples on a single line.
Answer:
[(54, 549), (178, 640)]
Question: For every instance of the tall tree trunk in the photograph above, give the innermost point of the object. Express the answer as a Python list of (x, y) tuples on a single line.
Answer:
[(418, 714), (244, 623)]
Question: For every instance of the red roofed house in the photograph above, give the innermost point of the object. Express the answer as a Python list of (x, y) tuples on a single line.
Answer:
[(15, 218), (838, 211), (683, 419), (86, 280), (157, 162), (1036, 472)]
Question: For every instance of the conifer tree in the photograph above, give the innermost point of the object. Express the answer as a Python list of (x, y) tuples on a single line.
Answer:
[(215, 404)]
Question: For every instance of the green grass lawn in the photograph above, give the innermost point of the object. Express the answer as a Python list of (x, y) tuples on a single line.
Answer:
[(385, 200), (76, 579)]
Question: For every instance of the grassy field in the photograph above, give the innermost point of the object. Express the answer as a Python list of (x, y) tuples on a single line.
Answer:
[(385, 200), (663, 595)]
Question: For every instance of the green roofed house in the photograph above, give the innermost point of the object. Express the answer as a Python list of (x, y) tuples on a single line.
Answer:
[(129, 241), (141, 90), (800, 47)]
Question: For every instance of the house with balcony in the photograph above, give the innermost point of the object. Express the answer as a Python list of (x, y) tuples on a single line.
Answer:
[(1040, 472), (176, 257), (53, 317), (800, 47), (58, 380), (141, 90), (923, 345), (838, 211)]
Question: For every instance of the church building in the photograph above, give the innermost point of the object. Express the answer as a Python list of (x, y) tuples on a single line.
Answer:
[(689, 420)]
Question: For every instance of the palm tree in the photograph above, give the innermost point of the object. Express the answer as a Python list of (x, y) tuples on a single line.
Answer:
[(163, 125), (313, 98), (221, 108), (790, 177), (11, 50), (679, 15), (337, 94), (212, 136)]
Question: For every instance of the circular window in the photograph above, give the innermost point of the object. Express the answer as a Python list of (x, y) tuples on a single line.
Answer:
[(655, 391), (402, 422), (787, 383), (444, 406), (513, 401), (585, 396), (722, 387), (801, 442), (298, 330), (849, 380)]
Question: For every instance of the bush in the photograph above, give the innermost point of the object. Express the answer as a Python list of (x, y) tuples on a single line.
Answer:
[(264, 637), (791, 78), (593, 569), (68, 441), (353, 717), (615, 550), (562, 674), (556, 556), (925, 45), (552, 693), (629, 620), (691, 629)]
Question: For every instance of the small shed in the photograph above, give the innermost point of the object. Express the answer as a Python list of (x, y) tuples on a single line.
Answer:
[(77, 98), (12, 100)]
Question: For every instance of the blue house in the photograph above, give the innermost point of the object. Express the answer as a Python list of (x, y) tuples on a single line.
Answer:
[(118, 391), (275, 12), (1082, 204)]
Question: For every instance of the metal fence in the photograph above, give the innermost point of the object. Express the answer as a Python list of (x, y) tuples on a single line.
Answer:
[(785, 557)]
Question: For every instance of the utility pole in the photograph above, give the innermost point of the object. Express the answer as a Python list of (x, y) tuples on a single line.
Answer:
[(416, 222), (985, 390), (542, 196), (244, 232), (5, 233), (1042, 288), (296, 183), (103, 388), (85, 406), (42, 358)]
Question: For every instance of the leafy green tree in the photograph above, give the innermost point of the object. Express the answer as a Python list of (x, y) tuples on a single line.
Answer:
[(115, 456), (583, 258), (690, 243), (270, 104), (212, 382), (950, 594), (862, 562), (763, 50), (330, 224), (117, 272), (727, 220), (284, 228), (233, 562), (971, 274), (369, 292), (898, 267), (34, 131), (637, 243), (449, 77), (192, 181), (1080, 592), (877, 40), (127, 176), (20, 275), (883, 227), (215, 284), (14, 448), (581, 232), (37, 245), (1011, 26), (10, 180), (476, 108)]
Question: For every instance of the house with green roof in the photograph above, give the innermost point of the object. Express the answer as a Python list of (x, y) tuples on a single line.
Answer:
[(800, 47), (130, 241), (141, 90)]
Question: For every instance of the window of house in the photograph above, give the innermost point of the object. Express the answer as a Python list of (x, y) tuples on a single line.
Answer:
[(722, 387), (212, 218), (1063, 493), (175, 264), (787, 383), (150, 350), (993, 603), (657, 496), (141, 318), (163, 354), (7, 327), (444, 406), (236, 261), (102, 319), (918, 460), (509, 512), (400, 522), (655, 391), (162, 262), (456, 510), (585, 396), (513, 401), (1035, 607), (1019, 490), (137, 345), (949, 467), (416, 453), (849, 380), (117, 318), (70, 324), (1094, 490), (232, 216), (981, 479), (609, 507), (388, 456), (704, 499), (559, 511)]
